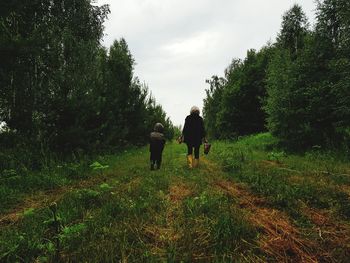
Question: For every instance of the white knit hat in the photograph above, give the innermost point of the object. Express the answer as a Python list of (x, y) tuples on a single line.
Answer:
[(194, 109)]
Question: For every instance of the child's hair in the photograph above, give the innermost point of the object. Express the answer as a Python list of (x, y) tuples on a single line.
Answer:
[(158, 127)]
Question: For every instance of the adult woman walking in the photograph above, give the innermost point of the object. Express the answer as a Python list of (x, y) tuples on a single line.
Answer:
[(193, 134)]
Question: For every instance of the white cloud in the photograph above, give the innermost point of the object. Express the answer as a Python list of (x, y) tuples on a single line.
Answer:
[(178, 44), (195, 45)]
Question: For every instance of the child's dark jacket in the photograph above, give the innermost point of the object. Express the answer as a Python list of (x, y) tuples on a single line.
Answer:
[(157, 142)]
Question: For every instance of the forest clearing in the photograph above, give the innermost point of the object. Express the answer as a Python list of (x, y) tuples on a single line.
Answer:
[(92, 90), (246, 202)]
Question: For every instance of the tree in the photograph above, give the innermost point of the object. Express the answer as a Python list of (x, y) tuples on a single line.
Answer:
[(233, 105), (293, 30), (333, 43), (212, 105), (49, 45), (61, 91), (308, 98)]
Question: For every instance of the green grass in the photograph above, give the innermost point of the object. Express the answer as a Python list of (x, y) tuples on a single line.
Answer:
[(316, 180), (287, 179), (129, 213), (17, 185)]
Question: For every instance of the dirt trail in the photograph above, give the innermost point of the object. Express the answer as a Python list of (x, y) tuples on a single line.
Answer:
[(162, 236), (44, 198), (281, 240)]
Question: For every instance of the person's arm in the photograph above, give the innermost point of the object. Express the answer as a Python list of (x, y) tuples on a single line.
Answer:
[(184, 130)]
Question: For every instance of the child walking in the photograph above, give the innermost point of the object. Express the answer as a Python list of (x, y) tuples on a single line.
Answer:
[(157, 142)]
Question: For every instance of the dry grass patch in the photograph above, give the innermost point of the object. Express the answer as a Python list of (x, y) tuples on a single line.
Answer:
[(160, 237), (281, 240), (179, 192), (330, 232)]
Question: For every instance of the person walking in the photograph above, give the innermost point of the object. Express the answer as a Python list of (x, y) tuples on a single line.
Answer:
[(156, 146), (193, 134)]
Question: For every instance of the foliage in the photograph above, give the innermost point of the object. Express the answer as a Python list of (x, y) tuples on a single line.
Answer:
[(298, 86), (97, 166), (293, 31), (62, 93), (233, 105), (306, 104), (212, 105)]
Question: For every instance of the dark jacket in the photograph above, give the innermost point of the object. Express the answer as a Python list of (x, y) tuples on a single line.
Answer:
[(193, 130), (157, 142)]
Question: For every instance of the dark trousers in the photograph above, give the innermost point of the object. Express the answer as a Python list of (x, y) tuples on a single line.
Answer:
[(196, 150), (156, 159)]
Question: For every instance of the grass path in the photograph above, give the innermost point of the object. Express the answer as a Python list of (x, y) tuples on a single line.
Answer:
[(132, 214)]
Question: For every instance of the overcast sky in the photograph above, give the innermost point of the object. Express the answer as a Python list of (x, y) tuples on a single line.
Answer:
[(178, 44)]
